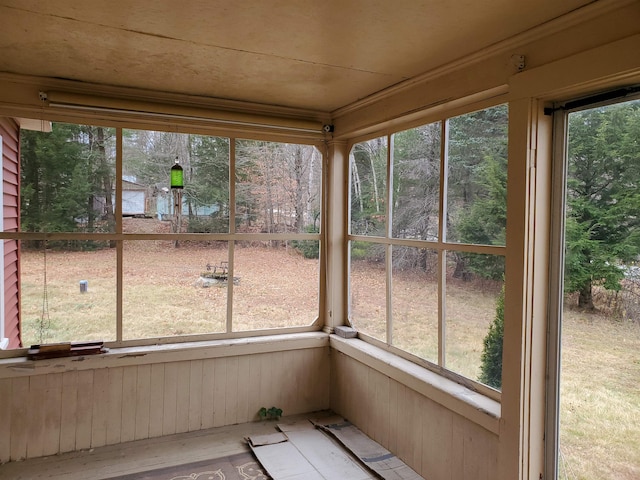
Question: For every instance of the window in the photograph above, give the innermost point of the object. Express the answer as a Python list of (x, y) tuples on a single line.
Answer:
[(427, 236), (594, 402), (110, 251)]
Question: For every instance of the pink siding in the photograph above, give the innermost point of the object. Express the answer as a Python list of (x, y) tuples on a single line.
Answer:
[(10, 132), (10, 180)]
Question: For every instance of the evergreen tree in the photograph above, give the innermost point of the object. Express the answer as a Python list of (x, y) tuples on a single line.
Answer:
[(491, 366), (484, 222), (54, 188), (474, 139), (64, 175), (208, 184), (477, 192), (603, 198)]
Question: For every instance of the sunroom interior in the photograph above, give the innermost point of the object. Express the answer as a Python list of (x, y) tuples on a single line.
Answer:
[(330, 77)]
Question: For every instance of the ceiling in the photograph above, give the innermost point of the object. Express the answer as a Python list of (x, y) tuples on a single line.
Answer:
[(304, 54)]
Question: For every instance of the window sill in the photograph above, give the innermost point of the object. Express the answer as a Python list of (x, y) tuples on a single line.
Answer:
[(176, 352), (462, 400)]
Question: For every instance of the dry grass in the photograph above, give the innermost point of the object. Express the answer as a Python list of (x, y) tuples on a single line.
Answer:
[(470, 307), (600, 394), (161, 295), (600, 400)]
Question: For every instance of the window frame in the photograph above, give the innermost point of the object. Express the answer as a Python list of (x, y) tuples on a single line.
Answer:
[(441, 246), (559, 176), (231, 237)]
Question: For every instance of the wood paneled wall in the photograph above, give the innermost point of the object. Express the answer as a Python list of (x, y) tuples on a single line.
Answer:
[(435, 441), (84, 406), (45, 414)]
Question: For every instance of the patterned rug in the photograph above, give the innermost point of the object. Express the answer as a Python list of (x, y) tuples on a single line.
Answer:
[(242, 466)]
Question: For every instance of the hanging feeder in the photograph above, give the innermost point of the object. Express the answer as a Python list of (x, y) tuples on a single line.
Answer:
[(177, 184), (177, 175)]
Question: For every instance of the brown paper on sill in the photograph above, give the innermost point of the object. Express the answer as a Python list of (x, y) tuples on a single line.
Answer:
[(380, 460), (306, 454)]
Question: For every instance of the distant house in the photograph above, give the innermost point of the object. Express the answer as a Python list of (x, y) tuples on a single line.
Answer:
[(137, 200), (134, 199), (164, 207)]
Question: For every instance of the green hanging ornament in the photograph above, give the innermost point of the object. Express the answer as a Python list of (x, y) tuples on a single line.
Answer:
[(177, 178)]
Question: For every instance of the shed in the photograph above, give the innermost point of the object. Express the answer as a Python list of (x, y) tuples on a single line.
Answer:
[(134, 198)]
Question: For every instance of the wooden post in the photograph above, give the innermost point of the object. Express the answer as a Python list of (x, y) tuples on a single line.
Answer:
[(177, 212)]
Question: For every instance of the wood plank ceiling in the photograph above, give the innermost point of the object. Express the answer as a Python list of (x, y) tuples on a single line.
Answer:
[(298, 53)]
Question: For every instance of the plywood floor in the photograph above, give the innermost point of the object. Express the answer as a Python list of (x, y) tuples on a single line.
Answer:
[(142, 455)]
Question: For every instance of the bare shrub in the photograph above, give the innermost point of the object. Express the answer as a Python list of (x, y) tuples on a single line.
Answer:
[(623, 304)]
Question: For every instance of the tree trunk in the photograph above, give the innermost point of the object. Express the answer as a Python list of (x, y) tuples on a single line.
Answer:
[(357, 191), (460, 270), (107, 182), (298, 170), (585, 298), (423, 261), (375, 181)]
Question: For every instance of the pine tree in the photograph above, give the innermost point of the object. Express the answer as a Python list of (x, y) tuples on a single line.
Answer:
[(491, 366), (603, 198)]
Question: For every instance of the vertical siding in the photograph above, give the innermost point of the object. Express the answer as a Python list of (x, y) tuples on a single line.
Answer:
[(143, 390), (6, 410), (9, 130), (126, 417), (436, 442), (84, 409), (68, 418)]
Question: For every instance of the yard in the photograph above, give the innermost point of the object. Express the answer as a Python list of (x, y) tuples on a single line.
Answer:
[(600, 400)]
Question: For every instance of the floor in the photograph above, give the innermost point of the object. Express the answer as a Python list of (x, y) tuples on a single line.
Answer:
[(142, 455)]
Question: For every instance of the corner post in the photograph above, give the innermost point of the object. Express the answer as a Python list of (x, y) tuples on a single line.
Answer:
[(521, 444), (336, 192)]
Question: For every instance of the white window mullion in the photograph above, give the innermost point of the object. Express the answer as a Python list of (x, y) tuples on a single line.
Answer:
[(556, 289), (442, 237), (232, 230), (119, 243), (388, 249)]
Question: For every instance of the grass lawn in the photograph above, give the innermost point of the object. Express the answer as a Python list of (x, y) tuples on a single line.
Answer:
[(600, 394), (599, 398)]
